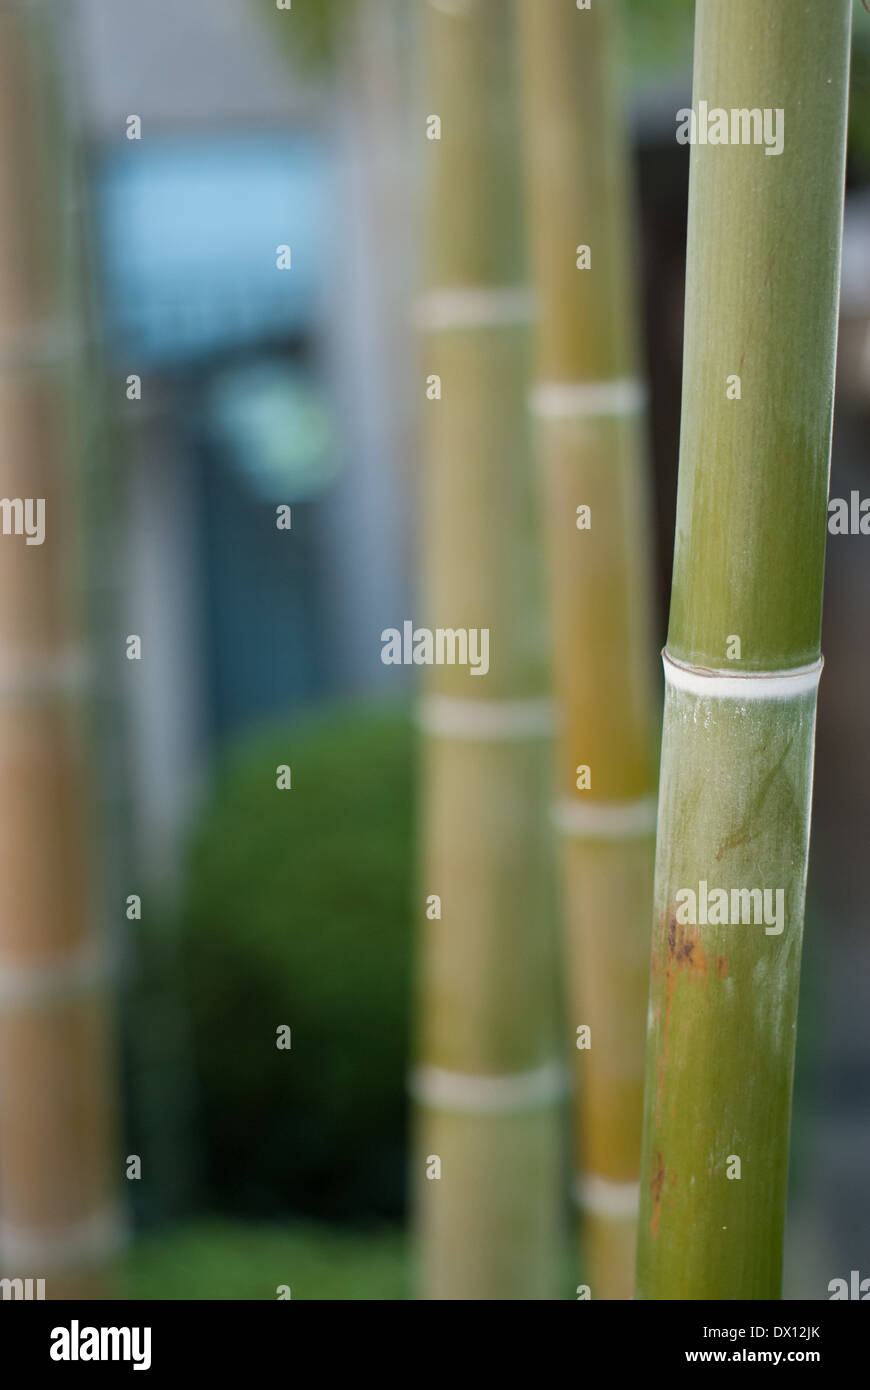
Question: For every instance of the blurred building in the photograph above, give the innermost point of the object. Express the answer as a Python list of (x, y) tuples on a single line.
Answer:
[(260, 386)]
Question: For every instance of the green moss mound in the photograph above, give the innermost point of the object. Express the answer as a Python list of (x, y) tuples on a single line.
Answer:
[(298, 913)]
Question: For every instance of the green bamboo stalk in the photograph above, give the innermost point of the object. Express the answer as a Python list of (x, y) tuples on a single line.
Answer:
[(736, 773), (589, 416), (488, 1083), (58, 1215)]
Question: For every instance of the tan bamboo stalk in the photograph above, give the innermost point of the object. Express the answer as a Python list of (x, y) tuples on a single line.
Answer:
[(742, 662), (57, 1216), (488, 1081), (588, 407)]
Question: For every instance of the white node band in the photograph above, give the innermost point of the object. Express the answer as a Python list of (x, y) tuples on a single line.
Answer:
[(604, 1197), (753, 685), (446, 716), (482, 306), (44, 679), (91, 1239), (574, 400), (605, 820), (70, 975), (489, 1095)]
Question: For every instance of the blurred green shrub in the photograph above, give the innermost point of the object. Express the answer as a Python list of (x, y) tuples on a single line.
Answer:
[(306, 31), (298, 913), (658, 37), (228, 1260), (859, 98)]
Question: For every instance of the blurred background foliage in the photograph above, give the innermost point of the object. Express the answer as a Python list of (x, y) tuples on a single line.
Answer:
[(658, 37), (297, 907), (297, 911), (859, 97), (228, 1260), (313, 36)]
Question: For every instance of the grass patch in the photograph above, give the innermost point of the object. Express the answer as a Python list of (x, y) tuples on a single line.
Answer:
[(214, 1259)]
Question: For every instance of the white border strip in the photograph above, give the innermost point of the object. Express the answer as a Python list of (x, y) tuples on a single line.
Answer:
[(604, 1197), (605, 820), (489, 1095), (475, 306), (46, 677), (101, 1234), (63, 978), (754, 685), (448, 716), (573, 400)]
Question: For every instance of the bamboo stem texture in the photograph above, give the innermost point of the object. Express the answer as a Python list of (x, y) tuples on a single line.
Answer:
[(742, 660), (58, 1219), (488, 1084), (588, 409)]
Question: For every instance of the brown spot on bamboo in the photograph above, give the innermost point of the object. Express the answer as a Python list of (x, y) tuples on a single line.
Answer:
[(684, 955), (732, 842), (656, 1188)]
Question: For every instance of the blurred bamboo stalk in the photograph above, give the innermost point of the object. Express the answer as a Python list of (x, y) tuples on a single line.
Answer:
[(742, 661), (58, 1219), (588, 407), (489, 1083)]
